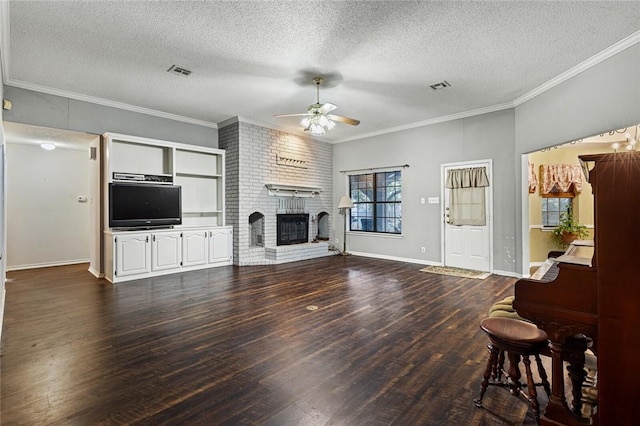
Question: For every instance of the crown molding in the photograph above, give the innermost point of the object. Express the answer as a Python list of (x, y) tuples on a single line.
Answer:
[(583, 66), (108, 103), (431, 121)]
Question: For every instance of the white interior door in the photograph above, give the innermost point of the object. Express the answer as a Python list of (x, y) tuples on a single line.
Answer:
[(468, 246)]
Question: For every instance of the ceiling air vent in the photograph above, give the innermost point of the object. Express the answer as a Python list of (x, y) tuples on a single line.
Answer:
[(174, 69), (442, 85)]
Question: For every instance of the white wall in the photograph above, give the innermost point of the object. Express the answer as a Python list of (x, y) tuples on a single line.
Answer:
[(46, 223), (95, 210), (3, 222)]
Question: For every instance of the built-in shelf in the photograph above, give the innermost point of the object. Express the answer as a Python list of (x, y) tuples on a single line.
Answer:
[(198, 175), (199, 171), (284, 190)]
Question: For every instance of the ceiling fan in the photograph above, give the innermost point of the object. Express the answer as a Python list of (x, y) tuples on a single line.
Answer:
[(317, 119)]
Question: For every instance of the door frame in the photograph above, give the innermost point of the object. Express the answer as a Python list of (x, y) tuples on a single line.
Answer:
[(488, 163)]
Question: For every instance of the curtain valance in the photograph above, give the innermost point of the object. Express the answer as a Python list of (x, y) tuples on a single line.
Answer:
[(475, 177), (467, 199), (533, 179), (560, 178)]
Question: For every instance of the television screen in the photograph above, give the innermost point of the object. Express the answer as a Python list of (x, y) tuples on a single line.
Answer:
[(144, 205)]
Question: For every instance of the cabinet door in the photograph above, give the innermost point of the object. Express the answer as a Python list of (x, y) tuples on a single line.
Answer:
[(194, 248), (220, 249), (166, 251), (133, 254)]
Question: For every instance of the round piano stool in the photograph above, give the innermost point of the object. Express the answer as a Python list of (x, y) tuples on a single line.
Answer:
[(518, 339)]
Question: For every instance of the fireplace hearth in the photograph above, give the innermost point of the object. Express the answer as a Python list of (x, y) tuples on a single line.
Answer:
[(292, 229)]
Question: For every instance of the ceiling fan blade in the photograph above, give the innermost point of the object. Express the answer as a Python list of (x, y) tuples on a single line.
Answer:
[(328, 107), (345, 120), (292, 115)]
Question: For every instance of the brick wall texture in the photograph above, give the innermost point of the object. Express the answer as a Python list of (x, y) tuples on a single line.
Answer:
[(256, 156)]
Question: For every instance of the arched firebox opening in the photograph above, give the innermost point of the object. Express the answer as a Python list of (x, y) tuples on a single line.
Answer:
[(323, 226), (256, 229)]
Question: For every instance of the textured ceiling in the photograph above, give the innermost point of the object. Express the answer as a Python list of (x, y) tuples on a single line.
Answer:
[(256, 59)]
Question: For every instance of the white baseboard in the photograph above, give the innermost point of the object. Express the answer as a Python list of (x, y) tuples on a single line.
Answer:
[(508, 274), (426, 262), (95, 273), (398, 259), (46, 264)]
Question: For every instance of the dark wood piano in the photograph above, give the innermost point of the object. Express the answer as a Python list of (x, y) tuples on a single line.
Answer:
[(601, 301), (563, 303)]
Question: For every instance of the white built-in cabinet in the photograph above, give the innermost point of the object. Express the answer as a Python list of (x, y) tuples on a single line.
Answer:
[(132, 254), (220, 250), (195, 247), (166, 251), (201, 241)]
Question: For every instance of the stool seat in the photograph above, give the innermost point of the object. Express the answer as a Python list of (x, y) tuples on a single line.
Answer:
[(513, 335), (518, 339)]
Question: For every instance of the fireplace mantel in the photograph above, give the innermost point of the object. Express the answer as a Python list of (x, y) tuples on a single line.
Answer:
[(282, 190)]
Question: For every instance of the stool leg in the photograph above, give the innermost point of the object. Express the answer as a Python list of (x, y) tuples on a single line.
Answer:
[(514, 373), (543, 376), (533, 395), (499, 366), (493, 355)]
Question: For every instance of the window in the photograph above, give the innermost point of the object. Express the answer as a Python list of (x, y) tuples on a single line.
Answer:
[(552, 209), (377, 200)]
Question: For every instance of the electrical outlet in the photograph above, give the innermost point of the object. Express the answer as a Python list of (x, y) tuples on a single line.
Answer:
[(423, 249), (337, 240)]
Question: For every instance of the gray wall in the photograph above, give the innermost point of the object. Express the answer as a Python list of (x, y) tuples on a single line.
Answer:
[(602, 98), (488, 136), (58, 112)]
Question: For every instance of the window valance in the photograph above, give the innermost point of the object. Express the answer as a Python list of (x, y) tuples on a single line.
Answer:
[(560, 178), (467, 199), (475, 177), (533, 179)]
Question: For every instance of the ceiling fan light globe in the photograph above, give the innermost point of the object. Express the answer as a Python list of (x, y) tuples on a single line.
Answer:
[(305, 122), (323, 120), (316, 129), (330, 124)]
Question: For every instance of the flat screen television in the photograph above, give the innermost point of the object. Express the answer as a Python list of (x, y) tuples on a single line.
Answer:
[(136, 205)]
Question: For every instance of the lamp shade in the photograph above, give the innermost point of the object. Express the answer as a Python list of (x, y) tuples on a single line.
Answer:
[(345, 203)]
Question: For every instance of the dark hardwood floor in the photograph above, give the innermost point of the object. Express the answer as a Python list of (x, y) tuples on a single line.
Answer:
[(388, 344)]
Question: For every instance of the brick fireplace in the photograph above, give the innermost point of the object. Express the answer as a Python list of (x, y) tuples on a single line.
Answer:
[(272, 174)]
